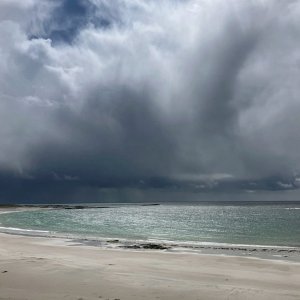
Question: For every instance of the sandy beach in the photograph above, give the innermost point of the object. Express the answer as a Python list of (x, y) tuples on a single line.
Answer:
[(44, 268)]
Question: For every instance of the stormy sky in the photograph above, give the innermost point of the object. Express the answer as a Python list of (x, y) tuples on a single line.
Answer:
[(101, 94)]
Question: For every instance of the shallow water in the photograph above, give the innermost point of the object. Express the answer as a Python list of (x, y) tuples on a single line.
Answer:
[(272, 224)]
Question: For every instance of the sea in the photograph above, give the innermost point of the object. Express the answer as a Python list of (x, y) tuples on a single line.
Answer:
[(238, 223)]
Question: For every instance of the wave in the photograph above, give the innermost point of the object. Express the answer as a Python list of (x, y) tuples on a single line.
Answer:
[(15, 229), (10, 212)]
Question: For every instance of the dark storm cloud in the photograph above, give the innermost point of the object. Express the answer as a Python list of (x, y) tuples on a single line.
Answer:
[(107, 139), (68, 17), (166, 94), (66, 20)]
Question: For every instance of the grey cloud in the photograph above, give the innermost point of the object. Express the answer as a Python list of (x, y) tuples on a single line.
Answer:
[(169, 89)]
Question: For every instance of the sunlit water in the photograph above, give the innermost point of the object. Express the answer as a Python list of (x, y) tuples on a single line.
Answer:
[(233, 224)]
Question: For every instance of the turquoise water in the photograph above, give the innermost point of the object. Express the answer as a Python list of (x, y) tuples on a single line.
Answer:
[(277, 225)]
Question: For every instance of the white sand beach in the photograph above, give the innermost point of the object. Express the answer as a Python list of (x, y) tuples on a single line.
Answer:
[(37, 268)]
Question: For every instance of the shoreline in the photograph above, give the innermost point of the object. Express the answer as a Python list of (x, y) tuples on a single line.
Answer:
[(284, 253), (43, 268)]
